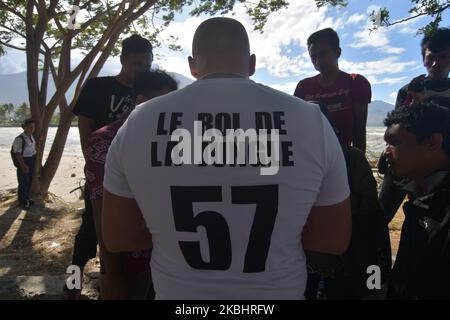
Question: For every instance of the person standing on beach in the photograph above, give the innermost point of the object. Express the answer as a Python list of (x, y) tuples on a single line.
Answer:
[(102, 101), (23, 153), (345, 96)]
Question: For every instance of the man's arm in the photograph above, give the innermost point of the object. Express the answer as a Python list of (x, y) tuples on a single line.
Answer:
[(328, 229), (22, 163), (123, 226), (359, 126), (85, 127), (85, 110)]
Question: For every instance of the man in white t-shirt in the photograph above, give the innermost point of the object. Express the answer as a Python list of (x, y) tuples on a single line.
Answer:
[(228, 180)]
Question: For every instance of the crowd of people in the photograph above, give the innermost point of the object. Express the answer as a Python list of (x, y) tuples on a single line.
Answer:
[(174, 230)]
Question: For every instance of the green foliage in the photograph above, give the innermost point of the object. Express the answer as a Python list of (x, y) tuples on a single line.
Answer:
[(334, 3), (11, 115), (6, 113)]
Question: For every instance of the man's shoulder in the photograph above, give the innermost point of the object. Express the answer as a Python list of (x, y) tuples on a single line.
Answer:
[(107, 132), (288, 101), (416, 83), (19, 138), (308, 81), (354, 77), (101, 81)]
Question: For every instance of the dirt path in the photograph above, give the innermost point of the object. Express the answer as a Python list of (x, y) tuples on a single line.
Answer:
[(38, 242)]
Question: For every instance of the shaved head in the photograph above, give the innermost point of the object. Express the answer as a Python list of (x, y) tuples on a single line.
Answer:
[(221, 44)]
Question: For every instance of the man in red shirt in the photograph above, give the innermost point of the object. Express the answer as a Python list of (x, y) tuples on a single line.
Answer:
[(345, 96)]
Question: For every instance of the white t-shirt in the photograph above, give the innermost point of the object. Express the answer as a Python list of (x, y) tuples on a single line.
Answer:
[(227, 232), (29, 148)]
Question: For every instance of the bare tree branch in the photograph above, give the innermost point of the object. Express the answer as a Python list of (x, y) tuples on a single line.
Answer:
[(9, 45), (3, 6), (44, 80), (52, 8), (442, 9), (13, 30)]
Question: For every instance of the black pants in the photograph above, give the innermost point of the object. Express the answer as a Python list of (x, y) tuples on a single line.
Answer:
[(85, 246), (25, 180)]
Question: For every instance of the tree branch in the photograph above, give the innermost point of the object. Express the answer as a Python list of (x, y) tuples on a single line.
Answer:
[(59, 26), (13, 30), (3, 6), (419, 15), (52, 8), (44, 80), (12, 46), (99, 15)]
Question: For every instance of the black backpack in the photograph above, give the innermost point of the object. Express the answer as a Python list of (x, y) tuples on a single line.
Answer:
[(13, 154)]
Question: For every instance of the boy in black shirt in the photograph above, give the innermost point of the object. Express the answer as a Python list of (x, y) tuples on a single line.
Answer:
[(102, 101)]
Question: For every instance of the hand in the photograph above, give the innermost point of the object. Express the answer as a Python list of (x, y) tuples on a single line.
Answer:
[(25, 169), (382, 164)]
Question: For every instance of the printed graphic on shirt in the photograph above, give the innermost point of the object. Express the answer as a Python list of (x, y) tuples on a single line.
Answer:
[(219, 140)]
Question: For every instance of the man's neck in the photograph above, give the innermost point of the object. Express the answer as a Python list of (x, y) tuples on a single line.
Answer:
[(328, 79), (124, 79), (443, 77), (215, 75), (28, 134)]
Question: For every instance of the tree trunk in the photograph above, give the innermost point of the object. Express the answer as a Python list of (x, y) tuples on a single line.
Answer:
[(48, 171), (44, 174)]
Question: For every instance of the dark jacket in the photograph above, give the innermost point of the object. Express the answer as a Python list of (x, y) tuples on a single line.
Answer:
[(422, 266)]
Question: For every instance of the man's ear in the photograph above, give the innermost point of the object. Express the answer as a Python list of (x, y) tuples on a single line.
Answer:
[(338, 52), (122, 59), (435, 142), (192, 67), (252, 65)]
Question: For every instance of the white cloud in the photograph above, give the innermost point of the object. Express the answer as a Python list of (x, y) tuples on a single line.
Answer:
[(286, 30), (175, 63), (290, 26), (377, 39), (357, 18), (393, 95), (408, 30), (13, 62), (367, 37), (389, 65), (287, 87), (388, 80)]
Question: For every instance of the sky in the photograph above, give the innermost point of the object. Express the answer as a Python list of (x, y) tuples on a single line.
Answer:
[(387, 57)]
